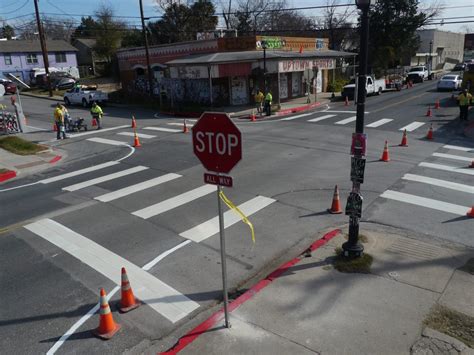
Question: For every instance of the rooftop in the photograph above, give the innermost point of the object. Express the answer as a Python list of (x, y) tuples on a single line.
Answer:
[(26, 46)]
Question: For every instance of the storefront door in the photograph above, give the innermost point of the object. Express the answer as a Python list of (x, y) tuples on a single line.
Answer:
[(239, 91)]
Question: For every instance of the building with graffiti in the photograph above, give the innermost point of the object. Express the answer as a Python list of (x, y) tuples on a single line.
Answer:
[(228, 71)]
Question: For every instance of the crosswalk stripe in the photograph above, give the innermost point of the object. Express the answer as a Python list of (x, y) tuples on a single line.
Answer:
[(140, 135), (453, 169), (161, 297), (174, 202), (295, 117), (412, 126), (441, 183), (137, 187), (379, 122), (456, 147), (98, 131), (180, 124), (347, 120), (333, 111), (104, 178), (211, 227), (425, 202), (454, 157), (106, 141), (317, 119), (163, 129), (78, 172)]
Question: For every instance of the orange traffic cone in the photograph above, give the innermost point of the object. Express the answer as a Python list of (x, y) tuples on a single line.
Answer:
[(252, 116), (55, 128), (470, 213), (94, 122), (185, 127), (136, 141), (428, 113), (127, 301), (346, 103), (134, 123), (437, 105), (107, 327), (430, 133), (336, 203), (385, 157), (404, 142)]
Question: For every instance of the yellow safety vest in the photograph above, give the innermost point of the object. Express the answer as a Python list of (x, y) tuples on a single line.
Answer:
[(464, 99), (58, 115)]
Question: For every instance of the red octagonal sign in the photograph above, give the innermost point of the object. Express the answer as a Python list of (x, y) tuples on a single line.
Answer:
[(217, 142)]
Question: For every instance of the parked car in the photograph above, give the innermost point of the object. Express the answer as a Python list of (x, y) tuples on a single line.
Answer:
[(418, 74), (450, 82), (10, 86), (84, 95), (373, 87), (64, 83), (459, 67)]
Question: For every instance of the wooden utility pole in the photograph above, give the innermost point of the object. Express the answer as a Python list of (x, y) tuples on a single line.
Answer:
[(147, 52), (43, 48)]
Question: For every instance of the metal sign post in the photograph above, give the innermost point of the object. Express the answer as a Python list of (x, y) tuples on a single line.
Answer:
[(223, 257)]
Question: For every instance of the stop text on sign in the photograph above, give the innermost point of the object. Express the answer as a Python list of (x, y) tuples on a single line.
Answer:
[(219, 143)]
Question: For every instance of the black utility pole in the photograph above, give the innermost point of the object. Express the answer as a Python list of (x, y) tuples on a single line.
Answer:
[(264, 47), (147, 52), (430, 60), (352, 248), (43, 49)]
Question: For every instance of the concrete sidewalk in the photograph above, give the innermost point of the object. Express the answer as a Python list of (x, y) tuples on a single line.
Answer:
[(312, 308)]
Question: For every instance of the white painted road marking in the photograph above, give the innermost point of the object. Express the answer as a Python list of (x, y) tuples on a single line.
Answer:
[(456, 147), (161, 297), (98, 131), (137, 187), (140, 135), (454, 157), (104, 178), (379, 122), (441, 183), (163, 255), (79, 172), (174, 202), (347, 120), (295, 117), (332, 111), (412, 126), (180, 124), (162, 129), (317, 119), (425, 202), (453, 169), (211, 227), (107, 141)]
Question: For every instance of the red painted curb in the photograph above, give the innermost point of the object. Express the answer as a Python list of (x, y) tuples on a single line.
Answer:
[(298, 109), (55, 159), (219, 315), (10, 174)]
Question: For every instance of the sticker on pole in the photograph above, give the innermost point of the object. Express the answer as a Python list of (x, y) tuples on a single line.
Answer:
[(217, 142)]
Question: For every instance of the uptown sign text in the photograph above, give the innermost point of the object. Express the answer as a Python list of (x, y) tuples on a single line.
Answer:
[(303, 64)]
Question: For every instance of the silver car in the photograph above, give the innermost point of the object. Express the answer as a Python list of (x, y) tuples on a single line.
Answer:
[(450, 82)]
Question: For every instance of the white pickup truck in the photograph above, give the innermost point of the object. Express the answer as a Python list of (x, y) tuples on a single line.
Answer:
[(418, 74), (84, 96), (373, 87)]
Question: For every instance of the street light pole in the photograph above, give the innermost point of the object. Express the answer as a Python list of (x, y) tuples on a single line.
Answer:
[(429, 61), (353, 248), (264, 46), (43, 49), (147, 53)]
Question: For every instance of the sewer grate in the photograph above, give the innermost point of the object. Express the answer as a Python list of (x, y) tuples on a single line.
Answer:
[(414, 249)]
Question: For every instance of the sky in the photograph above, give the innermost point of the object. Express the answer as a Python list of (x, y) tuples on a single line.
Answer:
[(11, 9)]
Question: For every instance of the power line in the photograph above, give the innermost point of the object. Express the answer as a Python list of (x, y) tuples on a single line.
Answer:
[(21, 7)]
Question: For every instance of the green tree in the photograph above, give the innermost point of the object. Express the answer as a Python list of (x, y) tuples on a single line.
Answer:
[(108, 33), (87, 28), (7, 32), (393, 25), (133, 38), (202, 17)]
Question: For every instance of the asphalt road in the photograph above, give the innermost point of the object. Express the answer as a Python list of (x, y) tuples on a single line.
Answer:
[(65, 236)]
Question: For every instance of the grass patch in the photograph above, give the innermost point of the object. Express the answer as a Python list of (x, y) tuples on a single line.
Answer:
[(452, 323), (468, 267), (20, 146), (362, 238), (352, 265)]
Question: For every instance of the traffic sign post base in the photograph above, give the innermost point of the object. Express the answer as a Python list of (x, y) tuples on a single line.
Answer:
[(352, 248)]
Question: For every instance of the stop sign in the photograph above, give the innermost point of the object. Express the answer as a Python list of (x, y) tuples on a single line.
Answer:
[(217, 142)]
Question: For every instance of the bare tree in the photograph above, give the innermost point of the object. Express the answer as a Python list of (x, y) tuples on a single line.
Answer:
[(336, 23), (53, 28)]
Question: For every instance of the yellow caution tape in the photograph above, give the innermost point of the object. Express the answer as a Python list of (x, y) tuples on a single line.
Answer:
[(239, 212)]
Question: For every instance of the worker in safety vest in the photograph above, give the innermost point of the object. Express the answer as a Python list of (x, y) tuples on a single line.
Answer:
[(464, 100), (268, 103), (97, 113), (59, 121)]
